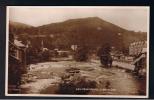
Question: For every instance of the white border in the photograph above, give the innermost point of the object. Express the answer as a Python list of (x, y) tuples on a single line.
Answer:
[(92, 96)]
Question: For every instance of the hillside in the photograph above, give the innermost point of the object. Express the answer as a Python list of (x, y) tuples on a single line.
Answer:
[(82, 24), (19, 28), (19, 25), (92, 31)]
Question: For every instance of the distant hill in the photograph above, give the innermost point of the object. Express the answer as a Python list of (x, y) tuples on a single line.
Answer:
[(19, 25), (82, 24), (19, 28), (92, 31)]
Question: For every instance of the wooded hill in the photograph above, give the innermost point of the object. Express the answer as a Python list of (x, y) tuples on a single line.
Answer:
[(91, 31)]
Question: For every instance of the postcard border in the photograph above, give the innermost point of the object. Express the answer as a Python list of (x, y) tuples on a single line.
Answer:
[(92, 96)]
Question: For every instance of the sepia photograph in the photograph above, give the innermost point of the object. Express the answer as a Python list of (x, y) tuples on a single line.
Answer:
[(77, 51)]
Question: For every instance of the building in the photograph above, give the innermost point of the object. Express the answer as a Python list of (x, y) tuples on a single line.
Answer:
[(136, 48), (16, 64), (139, 51)]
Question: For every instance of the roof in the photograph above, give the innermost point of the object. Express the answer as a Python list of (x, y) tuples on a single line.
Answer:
[(18, 43)]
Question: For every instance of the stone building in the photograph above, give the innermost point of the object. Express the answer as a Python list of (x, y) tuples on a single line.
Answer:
[(136, 48), (139, 51), (16, 64)]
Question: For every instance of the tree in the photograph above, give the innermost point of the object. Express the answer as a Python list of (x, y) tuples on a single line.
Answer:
[(104, 49), (81, 54), (104, 54)]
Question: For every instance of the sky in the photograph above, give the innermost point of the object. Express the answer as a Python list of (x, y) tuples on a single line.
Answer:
[(131, 18)]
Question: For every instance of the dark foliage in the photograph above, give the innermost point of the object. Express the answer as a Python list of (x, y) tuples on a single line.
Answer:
[(104, 54), (81, 54), (76, 86)]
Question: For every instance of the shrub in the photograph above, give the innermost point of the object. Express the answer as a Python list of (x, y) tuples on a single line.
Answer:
[(70, 84), (81, 54)]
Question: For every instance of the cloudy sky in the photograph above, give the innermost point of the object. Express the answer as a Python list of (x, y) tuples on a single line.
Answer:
[(131, 18)]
